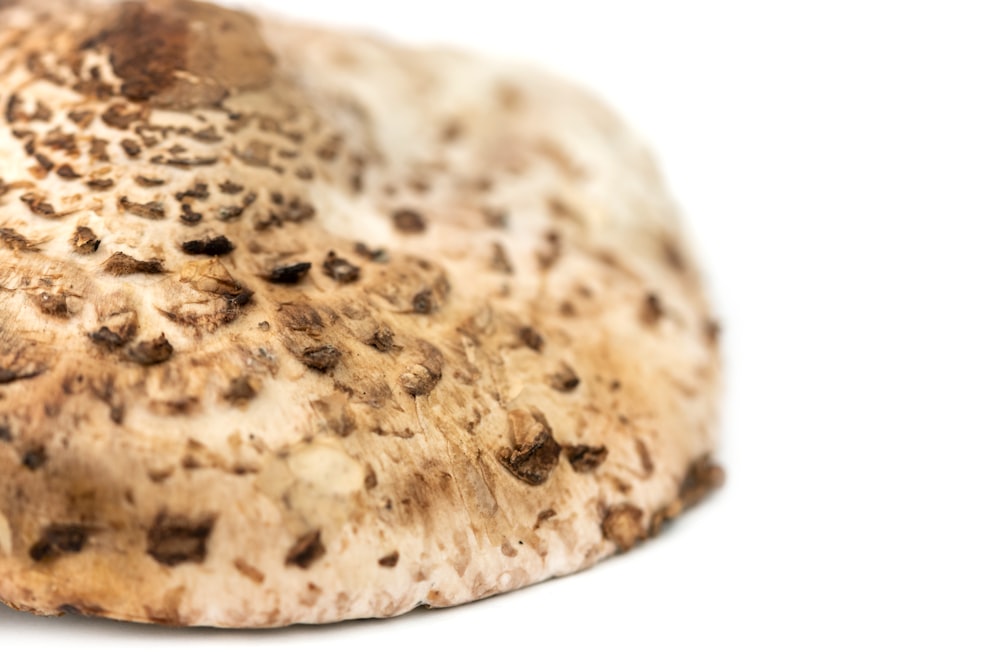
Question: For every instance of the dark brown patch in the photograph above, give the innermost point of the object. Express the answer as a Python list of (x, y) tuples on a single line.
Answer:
[(702, 477), (174, 540), (585, 458), (381, 340), (150, 44), (622, 525), (340, 269), (389, 560), (212, 246), (408, 221), (651, 310), (34, 458), (530, 337), (149, 210), (53, 304), (564, 379), (534, 453), (289, 274), (59, 539), (320, 358), (154, 351), (306, 550)]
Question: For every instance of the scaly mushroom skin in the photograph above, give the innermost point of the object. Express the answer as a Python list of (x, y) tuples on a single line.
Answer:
[(303, 326)]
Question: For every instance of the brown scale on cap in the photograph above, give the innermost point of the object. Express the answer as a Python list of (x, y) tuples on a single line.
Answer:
[(268, 366)]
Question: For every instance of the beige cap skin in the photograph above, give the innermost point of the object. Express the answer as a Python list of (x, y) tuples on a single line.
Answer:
[(301, 326)]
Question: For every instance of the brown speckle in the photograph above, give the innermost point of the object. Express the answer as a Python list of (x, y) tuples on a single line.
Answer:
[(14, 240), (149, 210), (154, 351), (52, 304), (174, 540), (508, 550), (230, 188), (59, 539), (100, 184), (289, 274), (381, 340), (189, 216), (198, 192), (530, 337), (34, 458), (212, 246), (564, 379), (546, 514), (113, 338), (242, 389), (320, 358), (499, 260), (423, 301), (131, 147), (99, 150), (713, 331), (379, 255), (408, 221), (148, 182), (340, 269), (389, 560), (585, 458), (248, 571), (67, 172), (84, 241), (651, 310), (622, 525), (422, 377), (645, 459), (116, 116), (306, 550), (534, 453), (121, 264)]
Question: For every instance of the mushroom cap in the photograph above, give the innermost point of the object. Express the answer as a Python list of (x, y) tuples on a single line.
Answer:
[(299, 326)]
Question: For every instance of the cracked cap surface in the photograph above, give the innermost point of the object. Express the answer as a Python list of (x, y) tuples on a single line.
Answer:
[(302, 325)]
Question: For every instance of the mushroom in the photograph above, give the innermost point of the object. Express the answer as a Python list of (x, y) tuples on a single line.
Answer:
[(501, 368)]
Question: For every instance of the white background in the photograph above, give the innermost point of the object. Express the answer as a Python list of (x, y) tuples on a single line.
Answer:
[(838, 164)]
